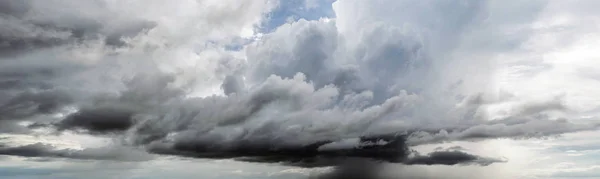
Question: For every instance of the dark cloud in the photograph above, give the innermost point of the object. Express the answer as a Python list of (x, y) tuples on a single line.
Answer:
[(450, 158), (12, 46), (354, 169), (14, 7), (33, 150), (232, 84), (304, 156), (389, 149), (29, 103), (29, 80), (15, 78), (33, 36), (288, 121), (99, 120), (23, 30), (49, 151), (358, 168)]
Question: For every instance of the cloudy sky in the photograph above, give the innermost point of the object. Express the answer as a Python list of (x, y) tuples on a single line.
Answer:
[(299, 89)]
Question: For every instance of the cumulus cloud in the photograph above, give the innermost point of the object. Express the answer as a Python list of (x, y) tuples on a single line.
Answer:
[(162, 76)]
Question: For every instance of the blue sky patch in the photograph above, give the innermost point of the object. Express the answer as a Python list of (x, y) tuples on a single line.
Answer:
[(295, 10)]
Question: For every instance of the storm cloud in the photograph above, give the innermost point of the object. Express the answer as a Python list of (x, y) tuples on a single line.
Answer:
[(370, 83), (360, 168), (99, 120), (49, 151), (388, 149), (450, 158), (29, 25)]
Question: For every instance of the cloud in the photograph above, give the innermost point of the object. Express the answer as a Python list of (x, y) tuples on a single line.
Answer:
[(30, 25), (450, 158), (29, 103), (313, 81), (392, 149), (304, 115), (12, 127), (14, 8), (232, 84), (99, 120), (358, 169), (303, 155), (368, 169), (163, 76), (525, 128), (48, 151)]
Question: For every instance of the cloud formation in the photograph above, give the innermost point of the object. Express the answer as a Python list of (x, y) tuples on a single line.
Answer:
[(48, 151), (98, 120), (450, 158), (164, 77), (29, 25)]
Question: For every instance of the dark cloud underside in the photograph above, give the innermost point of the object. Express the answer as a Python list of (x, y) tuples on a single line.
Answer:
[(391, 149), (49, 151)]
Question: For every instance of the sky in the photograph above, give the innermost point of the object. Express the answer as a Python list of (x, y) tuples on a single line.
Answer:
[(299, 89)]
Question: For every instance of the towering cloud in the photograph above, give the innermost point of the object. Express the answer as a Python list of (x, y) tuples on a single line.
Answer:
[(199, 79)]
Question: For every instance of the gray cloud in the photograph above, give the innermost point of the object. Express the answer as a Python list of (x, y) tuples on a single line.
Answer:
[(369, 169), (379, 68), (48, 151), (392, 149), (249, 115), (282, 108), (23, 29), (516, 129), (450, 158), (310, 53), (99, 120), (358, 169), (12, 127), (28, 103), (14, 7), (232, 84), (21, 106)]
